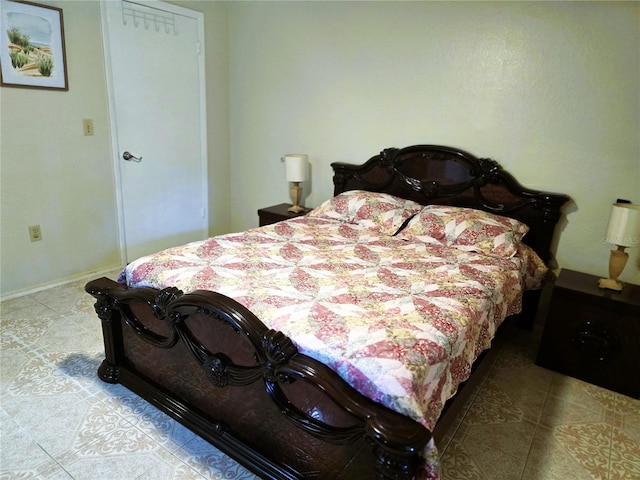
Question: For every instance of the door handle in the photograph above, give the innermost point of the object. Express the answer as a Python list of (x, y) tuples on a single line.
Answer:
[(127, 156)]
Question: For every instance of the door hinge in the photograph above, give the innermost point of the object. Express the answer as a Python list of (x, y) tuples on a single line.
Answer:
[(198, 48)]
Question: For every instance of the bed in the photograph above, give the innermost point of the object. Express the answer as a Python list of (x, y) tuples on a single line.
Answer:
[(305, 349)]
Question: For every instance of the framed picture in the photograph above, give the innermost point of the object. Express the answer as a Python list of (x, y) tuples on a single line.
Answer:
[(32, 51)]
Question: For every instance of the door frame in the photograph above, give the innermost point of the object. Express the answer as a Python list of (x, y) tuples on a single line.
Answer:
[(116, 148)]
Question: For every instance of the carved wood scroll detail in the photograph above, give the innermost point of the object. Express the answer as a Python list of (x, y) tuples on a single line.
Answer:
[(217, 371), (278, 350)]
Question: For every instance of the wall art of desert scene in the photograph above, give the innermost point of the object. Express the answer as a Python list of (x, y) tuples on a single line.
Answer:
[(29, 43)]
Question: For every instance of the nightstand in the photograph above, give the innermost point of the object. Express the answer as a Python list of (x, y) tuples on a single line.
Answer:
[(593, 334), (277, 213)]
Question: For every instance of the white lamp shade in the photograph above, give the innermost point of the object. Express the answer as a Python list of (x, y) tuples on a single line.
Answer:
[(297, 167), (624, 225)]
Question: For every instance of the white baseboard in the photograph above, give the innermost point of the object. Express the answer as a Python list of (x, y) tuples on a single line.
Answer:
[(63, 281)]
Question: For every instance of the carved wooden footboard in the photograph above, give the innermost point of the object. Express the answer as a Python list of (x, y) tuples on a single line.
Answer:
[(208, 362)]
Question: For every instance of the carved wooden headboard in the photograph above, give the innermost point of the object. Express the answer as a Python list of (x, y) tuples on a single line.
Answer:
[(432, 174)]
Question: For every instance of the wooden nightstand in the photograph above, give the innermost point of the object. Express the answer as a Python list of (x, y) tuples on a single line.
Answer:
[(277, 213), (593, 334)]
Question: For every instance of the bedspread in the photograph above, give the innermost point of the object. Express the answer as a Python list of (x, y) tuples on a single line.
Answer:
[(400, 321)]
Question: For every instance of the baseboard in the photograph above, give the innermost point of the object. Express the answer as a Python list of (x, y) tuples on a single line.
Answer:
[(57, 283)]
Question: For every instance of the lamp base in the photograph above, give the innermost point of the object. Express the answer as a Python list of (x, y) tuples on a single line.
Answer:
[(296, 209), (296, 193), (610, 284), (617, 261)]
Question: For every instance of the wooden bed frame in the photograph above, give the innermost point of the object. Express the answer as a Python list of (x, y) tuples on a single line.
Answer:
[(212, 365)]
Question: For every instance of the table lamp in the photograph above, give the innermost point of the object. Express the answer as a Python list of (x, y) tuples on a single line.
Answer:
[(623, 231), (297, 166)]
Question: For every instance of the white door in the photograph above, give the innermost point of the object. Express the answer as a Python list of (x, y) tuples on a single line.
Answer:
[(155, 70)]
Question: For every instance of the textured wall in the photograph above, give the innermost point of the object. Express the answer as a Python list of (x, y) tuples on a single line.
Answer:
[(550, 90), (54, 176)]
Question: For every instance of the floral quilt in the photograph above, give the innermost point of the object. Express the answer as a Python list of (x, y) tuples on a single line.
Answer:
[(400, 319)]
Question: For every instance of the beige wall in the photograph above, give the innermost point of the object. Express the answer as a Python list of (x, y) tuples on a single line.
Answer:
[(550, 90), (54, 176), (217, 72)]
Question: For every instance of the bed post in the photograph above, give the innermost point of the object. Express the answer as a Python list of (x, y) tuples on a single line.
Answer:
[(392, 466), (550, 205), (109, 370), (399, 454)]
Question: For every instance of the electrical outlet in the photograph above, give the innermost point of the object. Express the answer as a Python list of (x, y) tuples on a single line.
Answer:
[(35, 233), (87, 126)]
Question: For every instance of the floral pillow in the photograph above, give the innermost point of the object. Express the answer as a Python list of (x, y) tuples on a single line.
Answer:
[(385, 212), (466, 229)]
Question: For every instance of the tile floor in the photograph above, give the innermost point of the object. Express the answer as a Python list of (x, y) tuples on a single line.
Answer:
[(58, 421)]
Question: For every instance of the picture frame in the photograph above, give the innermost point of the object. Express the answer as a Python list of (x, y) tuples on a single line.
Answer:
[(32, 47)]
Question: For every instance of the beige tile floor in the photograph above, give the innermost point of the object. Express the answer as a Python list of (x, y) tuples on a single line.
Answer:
[(58, 421), (526, 422)]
